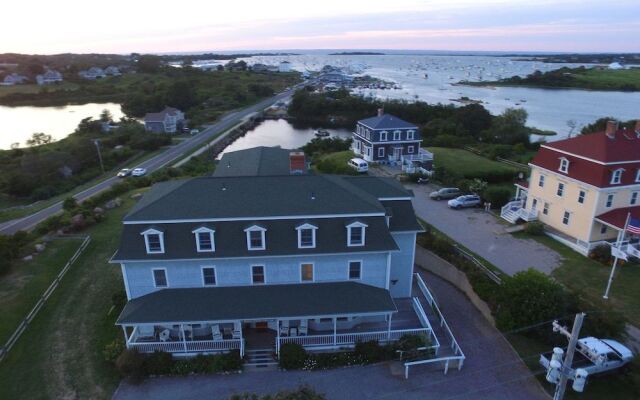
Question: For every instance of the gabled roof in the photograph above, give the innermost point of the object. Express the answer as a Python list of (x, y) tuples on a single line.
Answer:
[(625, 146), (256, 161), (160, 116), (256, 302), (387, 121), (618, 217)]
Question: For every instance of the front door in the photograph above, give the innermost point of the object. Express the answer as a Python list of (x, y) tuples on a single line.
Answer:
[(396, 153)]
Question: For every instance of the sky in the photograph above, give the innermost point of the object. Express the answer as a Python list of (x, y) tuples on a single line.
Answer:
[(125, 26)]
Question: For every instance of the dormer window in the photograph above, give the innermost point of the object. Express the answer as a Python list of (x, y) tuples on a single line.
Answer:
[(410, 134), (564, 165), (356, 234), (616, 176), (204, 239), (368, 134), (397, 135), (256, 238), (154, 241), (306, 236), (383, 136)]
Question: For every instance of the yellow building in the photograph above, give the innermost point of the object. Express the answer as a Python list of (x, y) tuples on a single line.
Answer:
[(583, 188)]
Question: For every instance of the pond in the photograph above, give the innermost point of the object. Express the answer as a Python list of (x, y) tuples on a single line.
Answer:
[(19, 123), (279, 133)]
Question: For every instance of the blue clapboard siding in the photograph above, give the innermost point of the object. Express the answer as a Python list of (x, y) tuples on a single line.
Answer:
[(402, 264)]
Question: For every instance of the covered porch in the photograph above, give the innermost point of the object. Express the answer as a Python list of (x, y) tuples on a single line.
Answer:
[(317, 316), (626, 243)]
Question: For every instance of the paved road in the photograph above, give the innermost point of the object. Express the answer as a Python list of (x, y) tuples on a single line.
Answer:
[(480, 232), (492, 370), (153, 164)]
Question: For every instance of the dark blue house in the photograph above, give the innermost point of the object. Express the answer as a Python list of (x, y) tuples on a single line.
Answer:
[(386, 139)]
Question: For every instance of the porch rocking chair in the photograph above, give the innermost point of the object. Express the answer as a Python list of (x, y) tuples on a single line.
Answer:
[(284, 328), (303, 329), (147, 332), (215, 331), (237, 330)]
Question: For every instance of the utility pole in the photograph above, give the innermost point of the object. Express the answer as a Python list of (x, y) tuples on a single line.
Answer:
[(617, 253), (97, 143), (565, 370)]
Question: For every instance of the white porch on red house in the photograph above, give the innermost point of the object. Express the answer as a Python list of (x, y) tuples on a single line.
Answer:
[(318, 316)]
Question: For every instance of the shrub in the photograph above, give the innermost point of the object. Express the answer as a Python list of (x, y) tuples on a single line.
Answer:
[(411, 342), (227, 362), (528, 298), (182, 368), (303, 393), (534, 228), (69, 204), (292, 356), (370, 351), (113, 350), (601, 253), (158, 363), (130, 365), (497, 196)]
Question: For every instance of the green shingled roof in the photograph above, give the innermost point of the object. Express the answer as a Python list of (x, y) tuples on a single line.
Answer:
[(256, 161), (257, 302)]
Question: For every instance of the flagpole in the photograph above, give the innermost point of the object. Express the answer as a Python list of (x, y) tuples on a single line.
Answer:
[(615, 261)]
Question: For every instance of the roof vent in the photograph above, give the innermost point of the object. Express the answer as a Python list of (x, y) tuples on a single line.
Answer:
[(313, 195), (612, 127), (224, 187)]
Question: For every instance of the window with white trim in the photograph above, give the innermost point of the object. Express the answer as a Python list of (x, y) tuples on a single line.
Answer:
[(581, 195), (209, 276), (154, 241), (306, 272), (616, 176), (603, 229), (204, 240), (609, 202), (566, 218), (634, 198), (564, 165), (355, 270), (256, 238), (545, 209), (534, 204), (410, 134), (541, 181), (380, 151), (397, 135), (306, 236), (356, 234), (257, 274), (383, 136), (160, 277), (410, 149), (560, 191), (368, 134)]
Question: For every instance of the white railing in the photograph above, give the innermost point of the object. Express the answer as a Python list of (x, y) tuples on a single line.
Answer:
[(512, 206), (423, 155), (189, 346), (350, 339), (632, 250), (424, 321), (527, 215), (457, 351)]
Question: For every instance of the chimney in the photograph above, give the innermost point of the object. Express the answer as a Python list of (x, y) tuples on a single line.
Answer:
[(297, 163), (612, 128), (380, 112)]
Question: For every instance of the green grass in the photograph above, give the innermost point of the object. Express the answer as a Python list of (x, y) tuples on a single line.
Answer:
[(589, 278), (467, 164), (35, 88), (335, 163), (21, 289), (60, 354), (609, 78)]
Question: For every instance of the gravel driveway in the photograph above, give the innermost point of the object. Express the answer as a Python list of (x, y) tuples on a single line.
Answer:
[(484, 235), (492, 370)]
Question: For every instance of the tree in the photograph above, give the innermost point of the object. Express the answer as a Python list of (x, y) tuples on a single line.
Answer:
[(474, 118), (181, 94), (69, 204), (149, 63), (509, 127), (106, 116), (571, 124), (528, 298), (38, 139)]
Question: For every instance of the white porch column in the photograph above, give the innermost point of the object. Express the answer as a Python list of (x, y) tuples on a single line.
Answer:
[(278, 338), (335, 331), (184, 338), (389, 328), (126, 338), (241, 340)]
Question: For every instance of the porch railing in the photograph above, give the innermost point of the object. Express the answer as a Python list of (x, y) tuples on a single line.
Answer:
[(350, 339), (458, 356), (186, 346)]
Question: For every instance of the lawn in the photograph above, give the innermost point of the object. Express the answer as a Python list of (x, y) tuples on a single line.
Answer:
[(21, 289), (60, 354), (609, 78), (335, 163), (468, 164), (34, 88), (589, 278)]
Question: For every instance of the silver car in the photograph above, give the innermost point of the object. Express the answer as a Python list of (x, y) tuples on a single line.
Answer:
[(469, 200), (445, 193)]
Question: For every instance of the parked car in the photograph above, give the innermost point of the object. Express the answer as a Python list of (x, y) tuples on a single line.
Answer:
[(124, 173), (469, 200), (195, 131), (139, 172), (358, 164), (445, 193)]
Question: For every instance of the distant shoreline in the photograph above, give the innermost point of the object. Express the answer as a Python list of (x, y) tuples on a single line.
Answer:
[(357, 53)]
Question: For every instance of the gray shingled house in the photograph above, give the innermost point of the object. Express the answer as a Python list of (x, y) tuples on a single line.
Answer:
[(213, 264)]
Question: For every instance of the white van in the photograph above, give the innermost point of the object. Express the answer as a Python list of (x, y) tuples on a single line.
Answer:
[(358, 164)]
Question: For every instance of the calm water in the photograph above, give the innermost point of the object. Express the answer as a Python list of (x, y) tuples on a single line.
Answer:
[(19, 123), (278, 133), (548, 109)]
